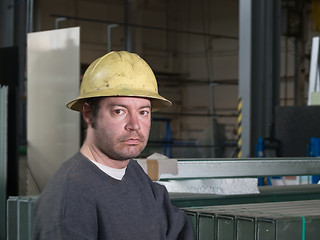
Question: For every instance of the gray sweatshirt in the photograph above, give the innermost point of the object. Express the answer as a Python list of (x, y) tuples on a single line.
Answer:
[(82, 202)]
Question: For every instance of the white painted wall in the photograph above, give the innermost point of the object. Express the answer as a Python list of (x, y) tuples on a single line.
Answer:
[(53, 131)]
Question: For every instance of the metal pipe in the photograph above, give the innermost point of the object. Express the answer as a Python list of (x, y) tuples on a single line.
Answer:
[(127, 27), (196, 114), (58, 20), (146, 27), (29, 17), (110, 26)]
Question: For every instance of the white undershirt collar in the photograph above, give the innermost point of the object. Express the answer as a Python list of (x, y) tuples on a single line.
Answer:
[(112, 172)]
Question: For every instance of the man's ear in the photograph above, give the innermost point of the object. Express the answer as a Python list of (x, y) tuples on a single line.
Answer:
[(87, 113)]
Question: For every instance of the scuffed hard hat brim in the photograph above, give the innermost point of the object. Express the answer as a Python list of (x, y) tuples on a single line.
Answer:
[(119, 73), (157, 103)]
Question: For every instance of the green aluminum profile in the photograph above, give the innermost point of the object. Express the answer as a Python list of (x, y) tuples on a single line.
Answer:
[(212, 225), (193, 216), (12, 213), (25, 218), (20, 217), (270, 226), (267, 194), (278, 227), (215, 226), (266, 229), (312, 228), (225, 226), (245, 227), (206, 226), (31, 215), (204, 168)]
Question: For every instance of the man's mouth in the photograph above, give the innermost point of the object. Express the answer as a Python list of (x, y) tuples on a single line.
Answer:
[(132, 141)]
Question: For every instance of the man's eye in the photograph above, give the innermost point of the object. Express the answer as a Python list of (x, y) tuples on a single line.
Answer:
[(118, 111), (144, 113)]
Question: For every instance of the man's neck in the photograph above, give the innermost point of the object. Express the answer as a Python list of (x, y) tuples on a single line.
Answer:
[(94, 154)]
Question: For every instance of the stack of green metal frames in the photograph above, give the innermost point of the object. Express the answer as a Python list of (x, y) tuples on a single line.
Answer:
[(20, 217), (294, 220)]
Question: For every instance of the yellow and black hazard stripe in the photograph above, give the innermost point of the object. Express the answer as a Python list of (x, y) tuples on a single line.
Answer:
[(239, 132)]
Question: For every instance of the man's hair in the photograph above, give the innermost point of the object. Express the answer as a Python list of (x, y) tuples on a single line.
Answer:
[(94, 104)]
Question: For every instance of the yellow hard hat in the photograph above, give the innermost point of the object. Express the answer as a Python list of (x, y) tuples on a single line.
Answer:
[(119, 73)]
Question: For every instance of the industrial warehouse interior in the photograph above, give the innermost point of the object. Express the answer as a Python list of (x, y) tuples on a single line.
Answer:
[(238, 150)]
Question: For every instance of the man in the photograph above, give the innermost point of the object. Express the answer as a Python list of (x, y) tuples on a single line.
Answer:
[(101, 193)]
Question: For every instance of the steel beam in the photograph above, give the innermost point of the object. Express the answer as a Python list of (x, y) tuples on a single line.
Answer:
[(259, 69), (245, 60), (3, 156), (238, 168)]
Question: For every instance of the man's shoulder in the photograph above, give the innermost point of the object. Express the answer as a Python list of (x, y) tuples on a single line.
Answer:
[(157, 189), (136, 168), (75, 169), (69, 166), (72, 174)]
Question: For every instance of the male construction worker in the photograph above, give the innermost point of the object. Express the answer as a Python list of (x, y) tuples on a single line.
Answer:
[(101, 192)]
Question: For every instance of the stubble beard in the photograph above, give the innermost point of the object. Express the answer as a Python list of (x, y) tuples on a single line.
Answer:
[(119, 150)]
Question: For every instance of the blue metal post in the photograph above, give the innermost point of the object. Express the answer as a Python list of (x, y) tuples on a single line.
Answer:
[(314, 151), (168, 139)]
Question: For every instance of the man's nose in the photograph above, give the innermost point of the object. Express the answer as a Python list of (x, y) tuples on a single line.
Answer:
[(133, 123)]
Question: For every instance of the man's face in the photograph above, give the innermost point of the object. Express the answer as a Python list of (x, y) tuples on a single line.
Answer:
[(122, 126)]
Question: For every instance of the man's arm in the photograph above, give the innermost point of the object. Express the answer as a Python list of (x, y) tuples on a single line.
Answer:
[(178, 223)]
